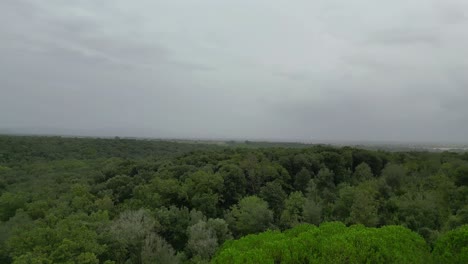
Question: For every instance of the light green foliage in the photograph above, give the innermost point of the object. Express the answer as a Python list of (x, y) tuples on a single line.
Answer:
[(452, 247), (330, 243)]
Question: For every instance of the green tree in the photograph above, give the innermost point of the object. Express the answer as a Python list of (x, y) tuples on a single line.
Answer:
[(364, 206), (9, 203), (156, 250), (174, 222), (130, 230), (362, 173), (202, 241), (393, 175), (250, 215), (293, 210), (203, 190), (274, 195), (312, 212), (325, 179), (329, 243), (302, 179), (452, 247), (234, 183)]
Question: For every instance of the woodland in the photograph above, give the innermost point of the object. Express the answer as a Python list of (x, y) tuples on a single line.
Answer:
[(117, 200)]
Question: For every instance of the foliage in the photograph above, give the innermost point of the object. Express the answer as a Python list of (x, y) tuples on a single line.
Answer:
[(96, 200), (452, 247), (329, 243)]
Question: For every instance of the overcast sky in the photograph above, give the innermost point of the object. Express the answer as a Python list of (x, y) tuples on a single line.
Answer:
[(244, 69)]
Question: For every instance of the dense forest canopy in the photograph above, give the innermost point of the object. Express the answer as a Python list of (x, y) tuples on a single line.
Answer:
[(89, 200)]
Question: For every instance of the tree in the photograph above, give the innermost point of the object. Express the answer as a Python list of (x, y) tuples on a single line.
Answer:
[(274, 195), (365, 206), (362, 173), (293, 210), (156, 250), (342, 206), (329, 243), (336, 163), (299, 162), (312, 212), (202, 189), (130, 230), (371, 158), (72, 238), (234, 183), (21, 220), (9, 203), (121, 186), (174, 222), (325, 179), (250, 215), (302, 179), (202, 241), (452, 247), (393, 175), (220, 228), (461, 175)]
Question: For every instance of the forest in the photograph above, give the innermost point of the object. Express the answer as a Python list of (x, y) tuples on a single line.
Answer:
[(115, 200)]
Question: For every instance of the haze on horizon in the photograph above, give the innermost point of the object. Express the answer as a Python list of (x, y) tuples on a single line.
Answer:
[(302, 70)]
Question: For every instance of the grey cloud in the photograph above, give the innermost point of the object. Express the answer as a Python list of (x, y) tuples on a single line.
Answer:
[(331, 70), (454, 13), (405, 36), (292, 75)]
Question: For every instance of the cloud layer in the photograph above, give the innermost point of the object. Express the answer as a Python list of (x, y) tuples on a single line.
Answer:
[(282, 70)]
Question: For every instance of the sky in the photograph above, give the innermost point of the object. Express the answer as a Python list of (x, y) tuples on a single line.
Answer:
[(304, 70)]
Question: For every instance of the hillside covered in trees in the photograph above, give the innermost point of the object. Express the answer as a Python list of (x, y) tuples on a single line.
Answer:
[(87, 200)]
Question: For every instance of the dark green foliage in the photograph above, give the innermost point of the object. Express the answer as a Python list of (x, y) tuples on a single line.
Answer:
[(362, 173), (301, 179), (372, 159), (274, 195), (9, 203), (234, 183)]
